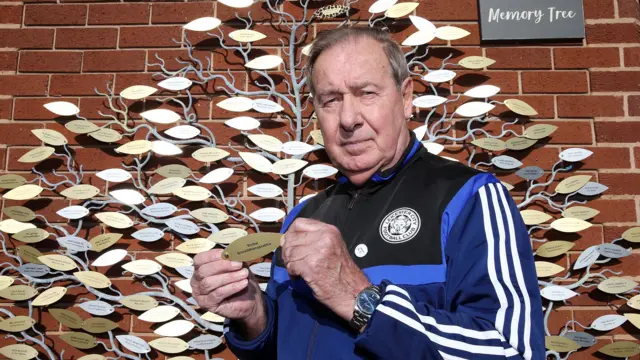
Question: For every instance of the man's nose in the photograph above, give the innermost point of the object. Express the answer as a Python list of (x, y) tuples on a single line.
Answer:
[(350, 118)]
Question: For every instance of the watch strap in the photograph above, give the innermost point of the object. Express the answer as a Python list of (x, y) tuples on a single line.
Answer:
[(361, 319)]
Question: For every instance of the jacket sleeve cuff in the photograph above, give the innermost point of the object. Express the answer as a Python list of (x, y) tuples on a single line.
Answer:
[(238, 344)]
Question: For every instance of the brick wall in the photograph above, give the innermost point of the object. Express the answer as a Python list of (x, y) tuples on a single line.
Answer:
[(60, 50)]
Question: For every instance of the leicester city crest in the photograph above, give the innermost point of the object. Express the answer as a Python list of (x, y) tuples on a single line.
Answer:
[(400, 225)]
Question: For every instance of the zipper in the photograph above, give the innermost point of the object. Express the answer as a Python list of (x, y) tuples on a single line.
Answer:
[(313, 338), (353, 200)]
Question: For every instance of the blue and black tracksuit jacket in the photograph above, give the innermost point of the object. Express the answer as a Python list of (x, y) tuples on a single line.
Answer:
[(458, 279)]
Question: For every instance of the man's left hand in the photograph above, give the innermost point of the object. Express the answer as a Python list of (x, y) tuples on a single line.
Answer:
[(316, 252)]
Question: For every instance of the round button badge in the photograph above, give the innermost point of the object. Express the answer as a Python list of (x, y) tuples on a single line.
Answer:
[(361, 250)]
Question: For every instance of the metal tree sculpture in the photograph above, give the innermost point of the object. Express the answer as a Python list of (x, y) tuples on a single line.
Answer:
[(153, 201)]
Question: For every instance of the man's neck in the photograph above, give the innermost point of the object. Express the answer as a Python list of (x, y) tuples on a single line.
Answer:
[(402, 145)]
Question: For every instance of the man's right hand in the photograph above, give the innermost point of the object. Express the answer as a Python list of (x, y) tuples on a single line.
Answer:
[(226, 288)]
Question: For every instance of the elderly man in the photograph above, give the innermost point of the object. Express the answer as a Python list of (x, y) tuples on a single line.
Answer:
[(408, 256)]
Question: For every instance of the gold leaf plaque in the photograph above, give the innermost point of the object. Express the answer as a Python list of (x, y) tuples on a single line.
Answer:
[(50, 296), (36, 155), (79, 340), (252, 246)]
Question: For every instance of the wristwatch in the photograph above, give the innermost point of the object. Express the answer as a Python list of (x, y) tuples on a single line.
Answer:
[(366, 303)]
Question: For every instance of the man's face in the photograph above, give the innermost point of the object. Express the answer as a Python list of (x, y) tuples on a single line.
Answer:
[(361, 112)]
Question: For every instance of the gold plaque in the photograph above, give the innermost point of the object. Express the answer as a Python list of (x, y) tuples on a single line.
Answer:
[(227, 236), (539, 131), (23, 192), (50, 137), (196, 246), (212, 317), (81, 192), (50, 296), (29, 254), (616, 285), (19, 352), (135, 147), (81, 126), (5, 281), (67, 318), (193, 193), (79, 340), (18, 292), (139, 302), (520, 107), (266, 142), (169, 345), (634, 302), (106, 135), (621, 349), (174, 170), (209, 154), (92, 357), (256, 161), (93, 279), (31, 235), (11, 181), (36, 155), (569, 225), (115, 219), (580, 212), (560, 344), (572, 184), (11, 226), (142, 267), (520, 143), (534, 217), (174, 260), (252, 246), (554, 248), (17, 323), (210, 215), (19, 213), (137, 92), (317, 137), (476, 62), (104, 241), (400, 9), (490, 144), (98, 325), (288, 166), (58, 262), (632, 235), (546, 269), (167, 186)]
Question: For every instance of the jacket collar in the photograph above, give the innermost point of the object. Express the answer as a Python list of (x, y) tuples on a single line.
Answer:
[(381, 177)]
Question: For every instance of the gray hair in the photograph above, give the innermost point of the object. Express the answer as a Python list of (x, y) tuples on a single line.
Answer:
[(330, 38)]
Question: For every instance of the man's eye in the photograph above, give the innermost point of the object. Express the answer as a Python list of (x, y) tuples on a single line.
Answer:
[(329, 101), (367, 93)]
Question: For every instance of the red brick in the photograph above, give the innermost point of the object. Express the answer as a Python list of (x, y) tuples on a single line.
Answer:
[(55, 14), (585, 58), (19, 134), (507, 81), (583, 239), (83, 84), (5, 109), (33, 108), (628, 9), (233, 60), (8, 60), (23, 84), (554, 82), (568, 132), (606, 158), (89, 107), (617, 131), (50, 61), (634, 105), (613, 210), (581, 106), (615, 80), (543, 157), (146, 37), (114, 60), (599, 9), (119, 14), (182, 13), (10, 14), (436, 10), (520, 58), (86, 38), (621, 183), (612, 33), (632, 57), (27, 38)]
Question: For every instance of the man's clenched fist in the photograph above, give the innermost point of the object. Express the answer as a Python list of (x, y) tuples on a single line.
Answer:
[(316, 252)]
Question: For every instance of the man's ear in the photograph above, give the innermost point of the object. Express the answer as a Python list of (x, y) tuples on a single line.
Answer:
[(407, 97)]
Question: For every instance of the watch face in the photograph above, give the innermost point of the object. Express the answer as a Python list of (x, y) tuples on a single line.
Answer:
[(367, 301)]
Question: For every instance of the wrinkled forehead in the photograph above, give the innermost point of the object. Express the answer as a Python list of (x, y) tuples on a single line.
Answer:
[(351, 63)]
